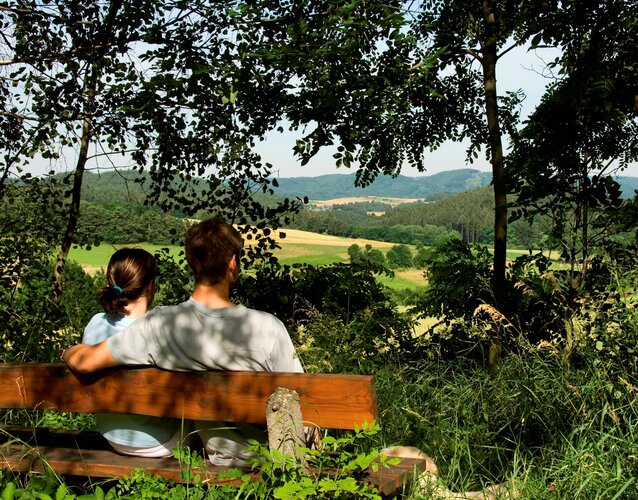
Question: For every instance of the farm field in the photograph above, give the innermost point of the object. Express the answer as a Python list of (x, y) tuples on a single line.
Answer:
[(409, 278), (298, 247), (362, 199)]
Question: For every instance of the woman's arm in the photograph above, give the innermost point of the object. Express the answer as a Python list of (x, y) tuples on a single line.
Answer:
[(85, 358)]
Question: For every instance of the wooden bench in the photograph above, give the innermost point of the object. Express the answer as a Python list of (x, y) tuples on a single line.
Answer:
[(327, 401)]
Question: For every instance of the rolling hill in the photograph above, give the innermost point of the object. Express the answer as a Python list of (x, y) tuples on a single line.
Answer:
[(114, 187), (325, 187)]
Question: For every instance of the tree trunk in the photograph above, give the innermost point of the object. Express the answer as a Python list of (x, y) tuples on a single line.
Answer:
[(74, 210), (496, 154), (104, 38)]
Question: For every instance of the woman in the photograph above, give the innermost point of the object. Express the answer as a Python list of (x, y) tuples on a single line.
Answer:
[(130, 289)]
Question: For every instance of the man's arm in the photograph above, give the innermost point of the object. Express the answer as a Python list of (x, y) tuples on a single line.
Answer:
[(86, 358)]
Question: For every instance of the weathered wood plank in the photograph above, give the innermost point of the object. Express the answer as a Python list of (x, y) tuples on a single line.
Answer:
[(97, 463), (327, 400), (105, 463)]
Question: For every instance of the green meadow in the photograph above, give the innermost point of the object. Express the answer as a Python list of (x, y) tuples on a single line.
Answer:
[(97, 257), (298, 247)]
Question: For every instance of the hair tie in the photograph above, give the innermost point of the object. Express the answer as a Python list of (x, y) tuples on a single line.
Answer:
[(115, 287)]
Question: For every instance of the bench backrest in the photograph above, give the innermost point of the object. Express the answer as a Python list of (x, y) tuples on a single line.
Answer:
[(327, 400)]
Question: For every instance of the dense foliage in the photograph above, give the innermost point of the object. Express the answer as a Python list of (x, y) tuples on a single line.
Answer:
[(563, 390), (538, 393), (121, 226)]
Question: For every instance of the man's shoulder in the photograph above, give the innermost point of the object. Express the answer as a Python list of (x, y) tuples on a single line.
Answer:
[(263, 317), (248, 311), (168, 310)]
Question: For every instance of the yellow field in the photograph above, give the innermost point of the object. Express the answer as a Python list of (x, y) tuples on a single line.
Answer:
[(303, 247), (294, 236), (362, 199)]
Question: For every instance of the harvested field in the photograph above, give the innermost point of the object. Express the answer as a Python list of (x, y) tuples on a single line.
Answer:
[(362, 199), (294, 236)]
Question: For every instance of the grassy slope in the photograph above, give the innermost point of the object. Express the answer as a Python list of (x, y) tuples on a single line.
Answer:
[(98, 257), (298, 247)]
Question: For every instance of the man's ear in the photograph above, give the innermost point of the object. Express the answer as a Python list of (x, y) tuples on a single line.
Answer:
[(233, 266)]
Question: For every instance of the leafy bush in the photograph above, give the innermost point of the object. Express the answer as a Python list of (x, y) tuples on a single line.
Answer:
[(338, 307), (339, 468), (368, 259), (400, 256), (458, 280)]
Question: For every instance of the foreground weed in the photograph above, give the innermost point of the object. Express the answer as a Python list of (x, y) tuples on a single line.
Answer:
[(336, 471)]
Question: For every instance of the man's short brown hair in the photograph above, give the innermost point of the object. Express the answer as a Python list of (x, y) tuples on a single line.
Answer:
[(210, 245)]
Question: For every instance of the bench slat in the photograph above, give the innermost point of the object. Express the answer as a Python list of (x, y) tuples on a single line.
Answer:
[(105, 463), (95, 463), (327, 400), (391, 480)]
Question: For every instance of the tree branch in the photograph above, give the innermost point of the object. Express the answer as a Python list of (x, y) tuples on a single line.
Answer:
[(511, 47)]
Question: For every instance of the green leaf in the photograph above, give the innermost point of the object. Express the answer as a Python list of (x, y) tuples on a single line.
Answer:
[(60, 494), (9, 491)]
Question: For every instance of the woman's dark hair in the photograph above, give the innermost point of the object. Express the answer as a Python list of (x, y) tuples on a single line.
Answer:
[(128, 274)]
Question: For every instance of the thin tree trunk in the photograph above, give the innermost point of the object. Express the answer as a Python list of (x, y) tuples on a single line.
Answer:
[(91, 81), (496, 153), (74, 210)]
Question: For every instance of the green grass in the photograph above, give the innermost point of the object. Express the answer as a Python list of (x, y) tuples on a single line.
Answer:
[(398, 282), (517, 426), (98, 257), (315, 255), (513, 253), (290, 253)]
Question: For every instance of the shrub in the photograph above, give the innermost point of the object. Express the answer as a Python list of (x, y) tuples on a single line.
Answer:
[(400, 256)]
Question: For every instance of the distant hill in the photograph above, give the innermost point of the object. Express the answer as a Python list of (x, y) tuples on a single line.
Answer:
[(429, 187), (628, 185), (117, 188), (326, 187)]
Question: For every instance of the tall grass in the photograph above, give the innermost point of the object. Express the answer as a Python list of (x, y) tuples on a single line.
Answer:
[(546, 430)]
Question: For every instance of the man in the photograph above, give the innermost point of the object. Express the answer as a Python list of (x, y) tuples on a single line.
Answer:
[(206, 332)]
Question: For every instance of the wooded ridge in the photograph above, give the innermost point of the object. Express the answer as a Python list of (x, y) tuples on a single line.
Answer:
[(102, 187)]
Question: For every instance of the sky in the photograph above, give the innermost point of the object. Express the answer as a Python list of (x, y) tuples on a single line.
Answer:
[(518, 69)]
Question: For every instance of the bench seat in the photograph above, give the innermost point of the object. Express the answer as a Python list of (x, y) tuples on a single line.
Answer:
[(326, 400)]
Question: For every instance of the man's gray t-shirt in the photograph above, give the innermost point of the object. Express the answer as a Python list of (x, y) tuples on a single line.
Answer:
[(192, 337)]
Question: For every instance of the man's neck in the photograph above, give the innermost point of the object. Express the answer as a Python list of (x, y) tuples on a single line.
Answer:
[(214, 296)]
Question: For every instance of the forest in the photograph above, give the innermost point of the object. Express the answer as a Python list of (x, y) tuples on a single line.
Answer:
[(519, 377)]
